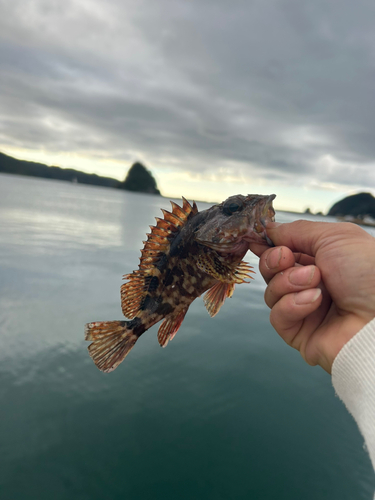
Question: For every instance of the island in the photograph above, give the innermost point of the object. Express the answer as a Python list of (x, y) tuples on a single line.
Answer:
[(140, 179), (358, 205)]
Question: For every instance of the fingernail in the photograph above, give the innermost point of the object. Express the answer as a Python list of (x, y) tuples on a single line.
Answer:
[(307, 296), (302, 275), (273, 258)]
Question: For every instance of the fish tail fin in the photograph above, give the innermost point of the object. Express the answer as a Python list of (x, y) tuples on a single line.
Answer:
[(112, 341)]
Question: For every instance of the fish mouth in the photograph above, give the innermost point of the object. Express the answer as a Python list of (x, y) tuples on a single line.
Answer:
[(257, 232), (268, 215)]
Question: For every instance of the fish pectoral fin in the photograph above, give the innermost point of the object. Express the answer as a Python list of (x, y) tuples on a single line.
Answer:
[(243, 271), (170, 327), (215, 297), (212, 265)]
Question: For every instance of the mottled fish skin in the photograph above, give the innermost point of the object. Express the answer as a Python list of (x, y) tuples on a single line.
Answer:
[(186, 254)]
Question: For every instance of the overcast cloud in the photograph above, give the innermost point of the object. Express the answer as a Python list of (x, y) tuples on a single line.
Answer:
[(234, 88)]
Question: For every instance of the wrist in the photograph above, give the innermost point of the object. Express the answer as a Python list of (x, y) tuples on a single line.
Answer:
[(346, 332)]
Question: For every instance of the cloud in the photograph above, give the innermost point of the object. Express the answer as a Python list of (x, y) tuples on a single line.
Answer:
[(263, 88)]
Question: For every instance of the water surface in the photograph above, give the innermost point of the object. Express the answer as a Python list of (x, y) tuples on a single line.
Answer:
[(226, 411)]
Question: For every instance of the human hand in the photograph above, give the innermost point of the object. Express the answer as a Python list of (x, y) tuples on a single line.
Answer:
[(321, 285)]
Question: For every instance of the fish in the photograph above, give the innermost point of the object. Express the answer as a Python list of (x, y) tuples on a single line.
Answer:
[(187, 253)]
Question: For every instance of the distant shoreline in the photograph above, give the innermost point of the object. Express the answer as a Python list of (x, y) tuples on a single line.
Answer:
[(143, 183), (13, 166), (10, 165)]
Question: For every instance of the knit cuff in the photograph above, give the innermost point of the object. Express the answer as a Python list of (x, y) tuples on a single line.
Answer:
[(353, 377)]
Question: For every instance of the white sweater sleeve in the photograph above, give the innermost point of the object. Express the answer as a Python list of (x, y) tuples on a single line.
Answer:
[(353, 377)]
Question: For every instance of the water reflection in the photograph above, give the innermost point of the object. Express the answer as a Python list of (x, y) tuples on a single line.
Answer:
[(48, 230)]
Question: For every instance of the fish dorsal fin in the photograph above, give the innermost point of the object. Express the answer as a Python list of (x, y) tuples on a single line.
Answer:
[(144, 281), (215, 297), (215, 267), (170, 327)]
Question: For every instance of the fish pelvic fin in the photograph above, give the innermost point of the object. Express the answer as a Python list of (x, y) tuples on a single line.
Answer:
[(112, 342), (170, 327), (215, 297)]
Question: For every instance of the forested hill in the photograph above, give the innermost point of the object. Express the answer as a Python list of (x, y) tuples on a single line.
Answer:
[(11, 165), (356, 205), (143, 183)]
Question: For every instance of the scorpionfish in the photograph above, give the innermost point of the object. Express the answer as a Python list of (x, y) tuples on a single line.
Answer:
[(186, 254)]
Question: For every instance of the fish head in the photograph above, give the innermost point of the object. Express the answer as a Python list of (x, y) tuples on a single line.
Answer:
[(236, 222)]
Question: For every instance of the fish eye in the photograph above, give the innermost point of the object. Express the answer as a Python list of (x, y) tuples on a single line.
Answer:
[(231, 207)]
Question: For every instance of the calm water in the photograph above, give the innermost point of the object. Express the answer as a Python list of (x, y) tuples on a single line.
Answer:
[(226, 411)]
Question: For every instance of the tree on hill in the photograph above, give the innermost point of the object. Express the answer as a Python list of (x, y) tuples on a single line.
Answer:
[(140, 179)]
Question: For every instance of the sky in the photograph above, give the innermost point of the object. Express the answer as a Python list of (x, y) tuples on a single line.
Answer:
[(215, 97)]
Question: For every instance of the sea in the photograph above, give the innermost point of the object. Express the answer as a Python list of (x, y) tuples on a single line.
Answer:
[(226, 411)]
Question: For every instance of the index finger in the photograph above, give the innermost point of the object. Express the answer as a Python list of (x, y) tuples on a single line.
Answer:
[(259, 248), (275, 260)]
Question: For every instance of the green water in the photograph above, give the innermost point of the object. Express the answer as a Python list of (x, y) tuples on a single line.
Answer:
[(226, 411)]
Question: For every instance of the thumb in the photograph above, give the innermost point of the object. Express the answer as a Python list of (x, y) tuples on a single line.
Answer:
[(301, 235)]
